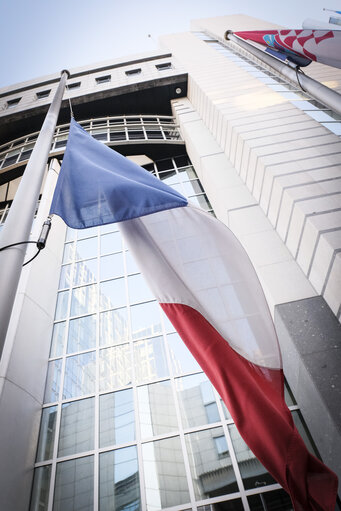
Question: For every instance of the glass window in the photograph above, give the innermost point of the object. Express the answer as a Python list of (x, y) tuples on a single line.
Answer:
[(74, 85), (65, 276), (58, 340), (197, 401), (41, 488), (70, 234), (187, 173), (119, 480), (201, 201), (181, 358), (43, 94), (12, 102), (84, 300), (77, 427), (86, 249), (80, 373), (87, 233), (46, 433), (74, 488), (53, 381), (115, 369), (69, 250), (138, 289), (165, 476), (85, 272), (131, 264), (131, 72), (210, 463), (103, 79), (156, 409), (270, 501), (168, 325), (116, 417), (251, 469), (82, 334), (192, 187), (228, 505), (111, 266), (145, 320), (111, 242), (150, 359), (164, 66), (113, 327), (61, 306), (108, 228), (112, 294)]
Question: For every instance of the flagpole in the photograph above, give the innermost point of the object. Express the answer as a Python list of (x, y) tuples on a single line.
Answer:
[(18, 224)]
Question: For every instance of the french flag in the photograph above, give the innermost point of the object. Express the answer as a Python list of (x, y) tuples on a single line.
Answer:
[(205, 283)]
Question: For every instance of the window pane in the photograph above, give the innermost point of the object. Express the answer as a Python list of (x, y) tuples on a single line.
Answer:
[(69, 249), (145, 320), (181, 358), (82, 334), (53, 381), (80, 373), (138, 289), (77, 427), (84, 300), (251, 469), (112, 294), (192, 187), (40, 489), (111, 243), (201, 201), (165, 476), (61, 307), (272, 501), (115, 367), (86, 249), (85, 272), (65, 276), (150, 359), (117, 424), (210, 462), (86, 233), (131, 264), (197, 401), (156, 409), (228, 505), (113, 327), (119, 480), (112, 266), (70, 234), (46, 433), (74, 485), (58, 340)]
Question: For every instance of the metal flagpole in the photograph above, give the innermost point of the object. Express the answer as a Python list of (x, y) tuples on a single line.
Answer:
[(18, 224)]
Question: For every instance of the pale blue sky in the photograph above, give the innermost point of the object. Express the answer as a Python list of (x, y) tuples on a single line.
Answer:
[(39, 37)]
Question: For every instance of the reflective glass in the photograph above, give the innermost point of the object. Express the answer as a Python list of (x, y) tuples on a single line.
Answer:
[(227, 414), (138, 289), (74, 488), (77, 427), (227, 505), (58, 339), (335, 127), (119, 487), (197, 401), (192, 187), (84, 300), (69, 250), (165, 476), (53, 381), (130, 262), (156, 409), (187, 173), (116, 418), (115, 369), (145, 320), (108, 228), (61, 306), (82, 334), (86, 233), (111, 266), (65, 276), (112, 294), (86, 249), (111, 243), (150, 359), (70, 234), (270, 501), (168, 325), (210, 463), (181, 358), (201, 201), (80, 374), (85, 272), (40, 488), (251, 469), (113, 327), (46, 433)]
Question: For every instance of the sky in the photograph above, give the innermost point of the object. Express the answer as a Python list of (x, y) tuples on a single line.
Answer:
[(41, 37)]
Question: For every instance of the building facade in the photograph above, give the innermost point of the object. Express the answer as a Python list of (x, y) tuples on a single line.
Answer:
[(102, 407)]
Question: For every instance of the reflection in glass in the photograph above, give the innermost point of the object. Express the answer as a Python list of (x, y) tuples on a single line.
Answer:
[(201, 201), (53, 381), (86, 249), (131, 265), (192, 187), (168, 325), (85, 272), (145, 320), (210, 462), (82, 334), (165, 476), (108, 228), (69, 250), (197, 401), (86, 233), (150, 359), (227, 414), (113, 327), (111, 266), (80, 373), (65, 276), (46, 434), (138, 289), (228, 505), (77, 427), (74, 485), (278, 499), (111, 243), (115, 368), (119, 480), (186, 173), (112, 294), (58, 340), (40, 488), (70, 234), (84, 300), (181, 358), (251, 469), (61, 307), (116, 416), (156, 409)]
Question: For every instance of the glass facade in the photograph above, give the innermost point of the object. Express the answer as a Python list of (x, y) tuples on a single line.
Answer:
[(130, 421)]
